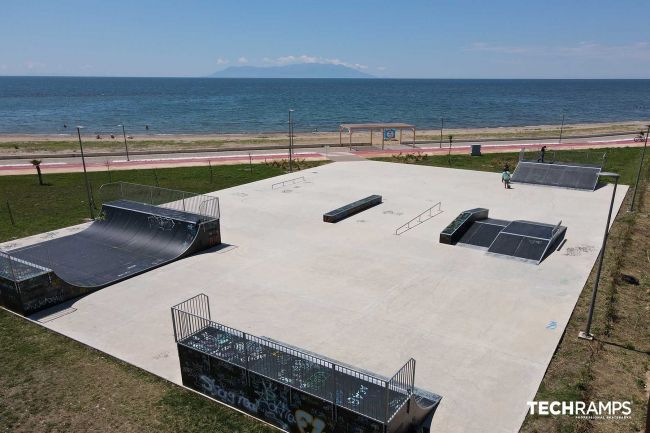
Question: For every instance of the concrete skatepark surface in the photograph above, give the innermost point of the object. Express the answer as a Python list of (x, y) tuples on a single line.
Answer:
[(479, 326)]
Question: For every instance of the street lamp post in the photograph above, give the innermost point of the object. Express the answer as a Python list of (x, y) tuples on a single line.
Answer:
[(586, 334), (291, 110), (83, 162), (638, 175), (126, 146)]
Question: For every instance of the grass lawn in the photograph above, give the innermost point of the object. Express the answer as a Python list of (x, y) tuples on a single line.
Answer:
[(50, 383), (62, 202), (616, 365), (622, 160)]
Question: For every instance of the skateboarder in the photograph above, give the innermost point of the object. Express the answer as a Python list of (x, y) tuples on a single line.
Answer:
[(505, 178)]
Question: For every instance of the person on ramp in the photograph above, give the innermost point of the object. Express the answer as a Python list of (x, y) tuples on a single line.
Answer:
[(542, 153), (505, 177)]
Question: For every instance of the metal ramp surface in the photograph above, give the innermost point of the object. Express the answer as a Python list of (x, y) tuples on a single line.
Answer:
[(559, 174), (526, 240)]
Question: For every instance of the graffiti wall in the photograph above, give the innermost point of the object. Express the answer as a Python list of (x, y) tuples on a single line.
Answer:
[(268, 400)]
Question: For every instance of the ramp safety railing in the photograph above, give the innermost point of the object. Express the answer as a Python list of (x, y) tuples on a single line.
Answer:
[(433, 211), (343, 386), (589, 158), (198, 204)]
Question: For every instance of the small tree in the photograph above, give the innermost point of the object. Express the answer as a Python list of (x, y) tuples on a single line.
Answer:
[(37, 164)]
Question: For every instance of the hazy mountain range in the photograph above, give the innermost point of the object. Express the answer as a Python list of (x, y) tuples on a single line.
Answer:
[(299, 70)]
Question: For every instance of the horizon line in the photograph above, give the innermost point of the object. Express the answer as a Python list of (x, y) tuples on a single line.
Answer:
[(317, 78)]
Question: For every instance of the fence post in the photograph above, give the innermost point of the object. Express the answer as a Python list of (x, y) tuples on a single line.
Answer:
[(174, 325), (386, 407), (248, 381), (207, 304), (412, 390), (11, 215), (334, 392)]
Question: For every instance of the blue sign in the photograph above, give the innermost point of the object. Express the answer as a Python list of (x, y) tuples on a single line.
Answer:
[(389, 134)]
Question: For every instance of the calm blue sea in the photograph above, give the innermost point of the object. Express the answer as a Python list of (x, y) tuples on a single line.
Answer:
[(43, 105)]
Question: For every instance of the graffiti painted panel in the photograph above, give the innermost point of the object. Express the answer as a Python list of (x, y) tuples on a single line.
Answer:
[(351, 422), (311, 414), (194, 365)]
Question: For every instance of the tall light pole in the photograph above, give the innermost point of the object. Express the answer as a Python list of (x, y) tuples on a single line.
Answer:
[(83, 162), (126, 146), (638, 175), (586, 334), (291, 110)]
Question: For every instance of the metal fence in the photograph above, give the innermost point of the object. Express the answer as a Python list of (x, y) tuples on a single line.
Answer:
[(589, 157), (344, 386), (17, 270), (198, 204)]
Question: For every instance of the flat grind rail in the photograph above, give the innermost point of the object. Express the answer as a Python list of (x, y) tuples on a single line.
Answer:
[(203, 205), (351, 209), (428, 214), (343, 386), (288, 182)]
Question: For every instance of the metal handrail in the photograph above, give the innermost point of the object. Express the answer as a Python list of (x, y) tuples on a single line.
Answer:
[(285, 182), (399, 231), (200, 204), (190, 323)]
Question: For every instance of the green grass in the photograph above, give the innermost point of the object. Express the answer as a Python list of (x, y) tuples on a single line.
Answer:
[(50, 383), (622, 160), (63, 201)]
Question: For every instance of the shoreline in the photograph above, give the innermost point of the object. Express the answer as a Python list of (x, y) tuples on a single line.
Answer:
[(26, 144)]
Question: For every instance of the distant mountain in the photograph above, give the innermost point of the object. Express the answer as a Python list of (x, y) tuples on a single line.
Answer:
[(298, 70)]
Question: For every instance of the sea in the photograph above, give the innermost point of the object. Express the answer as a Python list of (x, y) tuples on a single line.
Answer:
[(54, 105)]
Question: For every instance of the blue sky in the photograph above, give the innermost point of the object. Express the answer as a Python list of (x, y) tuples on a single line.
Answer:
[(406, 39)]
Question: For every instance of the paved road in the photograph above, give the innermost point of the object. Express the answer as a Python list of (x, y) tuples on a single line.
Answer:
[(98, 163)]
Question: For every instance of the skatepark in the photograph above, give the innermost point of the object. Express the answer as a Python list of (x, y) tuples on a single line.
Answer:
[(356, 292)]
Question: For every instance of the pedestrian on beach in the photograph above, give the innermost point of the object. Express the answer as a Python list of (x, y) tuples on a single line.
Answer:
[(542, 151), (505, 177)]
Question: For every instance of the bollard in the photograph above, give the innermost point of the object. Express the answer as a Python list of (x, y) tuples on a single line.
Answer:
[(11, 215)]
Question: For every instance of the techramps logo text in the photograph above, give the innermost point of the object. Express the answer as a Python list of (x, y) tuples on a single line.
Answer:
[(613, 410)]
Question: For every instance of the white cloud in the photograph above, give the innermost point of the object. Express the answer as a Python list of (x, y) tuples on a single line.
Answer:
[(304, 58), (381, 68), (221, 61), (242, 59)]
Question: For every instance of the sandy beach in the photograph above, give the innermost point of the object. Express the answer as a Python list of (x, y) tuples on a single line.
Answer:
[(25, 144)]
